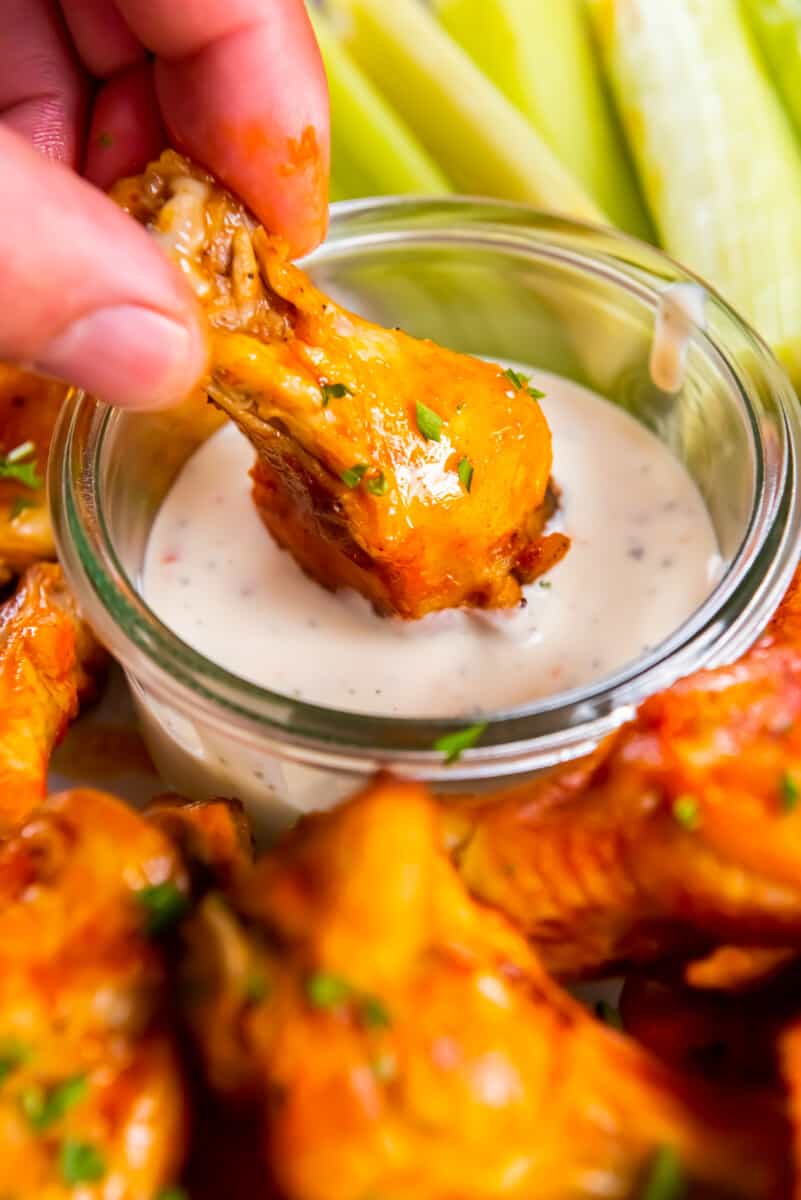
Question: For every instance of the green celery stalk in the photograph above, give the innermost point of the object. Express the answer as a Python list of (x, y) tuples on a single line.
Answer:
[(716, 153), (777, 26), (541, 56), (481, 141), (372, 151)]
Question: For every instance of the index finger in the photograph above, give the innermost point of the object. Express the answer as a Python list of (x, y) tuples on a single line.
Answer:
[(243, 91)]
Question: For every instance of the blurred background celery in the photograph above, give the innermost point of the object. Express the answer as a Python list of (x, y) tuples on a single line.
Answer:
[(675, 120)]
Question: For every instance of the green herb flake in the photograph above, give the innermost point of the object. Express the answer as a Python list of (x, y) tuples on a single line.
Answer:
[(44, 1109), (17, 464), (685, 811), (376, 484), (256, 988), (665, 1178), (333, 391), (384, 1067), (790, 790), (465, 470), (609, 1015), (535, 393), (163, 905), (374, 1013), (105, 139), (545, 583), (80, 1162), (324, 990), (428, 422), (452, 744), (20, 505), (352, 477), (13, 1055), (516, 379), (172, 1193)]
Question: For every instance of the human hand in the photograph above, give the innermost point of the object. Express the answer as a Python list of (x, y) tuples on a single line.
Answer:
[(99, 86)]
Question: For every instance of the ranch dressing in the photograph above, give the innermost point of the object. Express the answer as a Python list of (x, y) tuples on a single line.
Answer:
[(643, 557)]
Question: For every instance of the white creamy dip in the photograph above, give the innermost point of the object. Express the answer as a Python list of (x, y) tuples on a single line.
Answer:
[(643, 557)]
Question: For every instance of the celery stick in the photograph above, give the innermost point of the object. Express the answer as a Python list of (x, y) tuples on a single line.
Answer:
[(541, 56), (481, 141), (716, 153), (372, 151), (777, 25)]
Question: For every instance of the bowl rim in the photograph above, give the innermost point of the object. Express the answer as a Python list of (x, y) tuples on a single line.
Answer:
[(528, 737)]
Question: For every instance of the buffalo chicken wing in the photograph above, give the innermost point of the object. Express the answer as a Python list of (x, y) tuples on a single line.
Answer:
[(91, 1093), (681, 832), (29, 407), (49, 661), (404, 1041), (410, 473)]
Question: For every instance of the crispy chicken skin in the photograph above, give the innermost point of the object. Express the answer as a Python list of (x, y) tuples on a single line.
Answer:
[(413, 474), (790, 1058), (49, 661), (29, 406), (91, 1092), (729, 1034), (682, 831), (404, 1040)]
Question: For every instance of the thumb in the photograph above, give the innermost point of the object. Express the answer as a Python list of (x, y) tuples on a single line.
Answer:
[(85, 294)]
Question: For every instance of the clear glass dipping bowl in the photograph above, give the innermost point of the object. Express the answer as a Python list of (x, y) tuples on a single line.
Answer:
[(492, 279)]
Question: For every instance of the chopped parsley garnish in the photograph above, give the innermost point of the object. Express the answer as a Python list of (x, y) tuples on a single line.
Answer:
[(256, 988), (374, 1013), (428, 422), (105, 139), (384, 1067), (352, 477), (608, 1014), (163, 905), (790, 791), (324, 990), (685, 811), (80, 1162), (452, 744), (13, 1055), (545, 583), (465, 470), (20, 505), (17, 464), (521, 382), (333, 391), (665, 1179), (376, 484), (172, 1193), (515, 378), (43, 1108)]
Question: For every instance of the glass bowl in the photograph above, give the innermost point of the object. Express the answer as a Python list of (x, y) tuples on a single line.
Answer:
[(491, 279)]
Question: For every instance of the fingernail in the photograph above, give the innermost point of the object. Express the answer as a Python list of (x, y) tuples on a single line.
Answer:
[(128, 355)]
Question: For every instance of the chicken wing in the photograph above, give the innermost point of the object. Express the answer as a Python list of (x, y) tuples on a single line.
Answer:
[(731, 1036), (682, 831), (49, 662), (91, 1091), (29, 406), (790, 1057), (410, 473), (404, 1041)]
